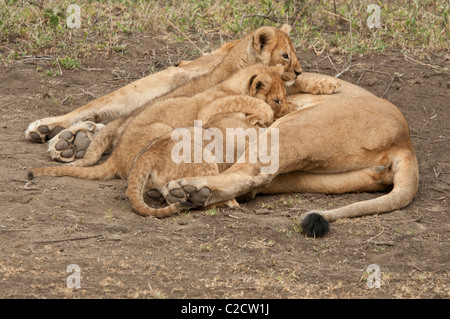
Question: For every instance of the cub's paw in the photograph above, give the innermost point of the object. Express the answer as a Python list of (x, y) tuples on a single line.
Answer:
[(181, 191), (72, 143), (264, 119), (42, 130), (326, 86)]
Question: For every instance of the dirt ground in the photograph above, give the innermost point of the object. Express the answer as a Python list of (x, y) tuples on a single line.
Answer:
[(251, 252)]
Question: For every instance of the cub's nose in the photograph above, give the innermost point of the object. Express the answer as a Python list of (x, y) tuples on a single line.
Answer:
[(297, 73)]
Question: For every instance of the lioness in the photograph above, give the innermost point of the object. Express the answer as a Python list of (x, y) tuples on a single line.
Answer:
[(266, 45), (257, 91), (352, 141)]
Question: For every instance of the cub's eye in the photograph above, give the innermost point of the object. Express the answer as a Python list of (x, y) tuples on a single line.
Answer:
[(277, 102), (285, 56)]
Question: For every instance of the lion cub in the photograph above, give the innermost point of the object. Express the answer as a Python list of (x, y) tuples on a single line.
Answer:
[(156, 164), (257, 91)]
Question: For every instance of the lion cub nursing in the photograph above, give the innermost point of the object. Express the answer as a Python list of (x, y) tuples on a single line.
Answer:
[(154, 166), (256, 91)]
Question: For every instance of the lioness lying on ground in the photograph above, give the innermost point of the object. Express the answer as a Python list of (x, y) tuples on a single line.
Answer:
[(257, 91), (348, 142), (351, 141), (267, 45)]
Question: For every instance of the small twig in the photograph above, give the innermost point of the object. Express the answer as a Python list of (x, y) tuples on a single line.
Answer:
[(387, 89), (443, 180), (27, 184), (331, 61), (370, 70), (168, 54), (232, 216), (388, 243), (184, 35), (396, 75), (438, 190), (436, 174), (28, 188), (12, 230), (370, 239), (68, 239), (7, 104), (88, 93), (351, 52), (36, 58), (256, 15), (337, 15), (59, 66), (299, 14), (20, 180), (364, 72), (439, 141), (409, 59), (346, 69), (92, 69)]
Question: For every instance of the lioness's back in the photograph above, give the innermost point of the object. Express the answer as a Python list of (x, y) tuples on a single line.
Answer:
[(348, 91)]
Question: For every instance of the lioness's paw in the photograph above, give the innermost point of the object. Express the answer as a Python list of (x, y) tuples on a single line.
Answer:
[(72, 143), (40, 132), (181, 190), (327, 86)]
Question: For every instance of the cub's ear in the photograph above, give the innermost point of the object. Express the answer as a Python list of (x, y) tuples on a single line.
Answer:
[(278, 69), (262, 37), (286, 28), (259, 84)]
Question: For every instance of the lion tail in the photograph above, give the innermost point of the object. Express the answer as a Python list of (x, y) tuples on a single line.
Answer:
[(139, 174), (105, 170), (406, 181)]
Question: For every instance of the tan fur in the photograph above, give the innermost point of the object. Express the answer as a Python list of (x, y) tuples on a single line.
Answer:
[(256, 91), (266, 45), (153, 167), (352, 141)]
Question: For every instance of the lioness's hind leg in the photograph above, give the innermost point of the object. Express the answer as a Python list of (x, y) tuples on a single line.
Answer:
[(71, 144)]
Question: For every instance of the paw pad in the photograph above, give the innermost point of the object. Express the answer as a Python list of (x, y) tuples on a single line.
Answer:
[(72, 143), (199, 198)]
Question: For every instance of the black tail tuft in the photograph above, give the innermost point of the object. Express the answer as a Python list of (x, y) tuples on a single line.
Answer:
[(30, 175), (314, 225)]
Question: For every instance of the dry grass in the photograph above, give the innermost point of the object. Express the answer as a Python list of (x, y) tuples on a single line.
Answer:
[(29, 28)]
